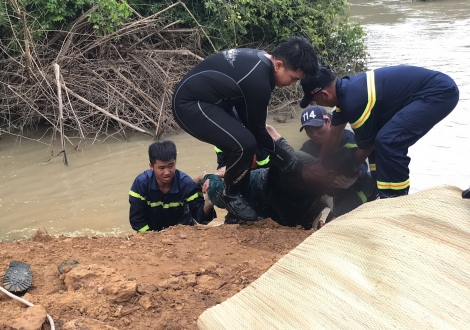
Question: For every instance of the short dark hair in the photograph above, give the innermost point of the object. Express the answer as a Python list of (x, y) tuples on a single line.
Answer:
[(342, 161), (162, 150), (297, 54)]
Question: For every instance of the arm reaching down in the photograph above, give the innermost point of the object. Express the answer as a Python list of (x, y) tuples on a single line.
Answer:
[(332, 140), (362, 154)]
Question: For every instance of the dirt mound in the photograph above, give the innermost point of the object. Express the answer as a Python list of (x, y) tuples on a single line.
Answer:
[(156, 280)]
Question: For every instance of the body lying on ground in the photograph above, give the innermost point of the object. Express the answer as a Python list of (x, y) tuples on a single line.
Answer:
[(289, 194)]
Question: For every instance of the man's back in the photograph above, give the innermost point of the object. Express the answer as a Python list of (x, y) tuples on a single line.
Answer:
[(241, 78), (369, 100)]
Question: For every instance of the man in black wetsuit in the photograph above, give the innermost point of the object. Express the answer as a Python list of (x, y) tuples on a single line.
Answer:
[(241, 78)]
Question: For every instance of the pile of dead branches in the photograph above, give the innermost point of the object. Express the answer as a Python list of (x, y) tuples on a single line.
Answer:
[(109, 84)]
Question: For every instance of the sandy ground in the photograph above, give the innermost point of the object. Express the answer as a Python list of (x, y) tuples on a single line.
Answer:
[(156, 280)]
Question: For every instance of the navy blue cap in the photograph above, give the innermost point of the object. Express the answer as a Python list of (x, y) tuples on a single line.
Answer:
[(312, 85), (314, 116)]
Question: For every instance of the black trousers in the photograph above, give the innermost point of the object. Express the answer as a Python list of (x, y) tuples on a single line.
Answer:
[(212, 124)]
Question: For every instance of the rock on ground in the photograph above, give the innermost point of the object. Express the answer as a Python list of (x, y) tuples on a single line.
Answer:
[(32, 319), (83, 323)]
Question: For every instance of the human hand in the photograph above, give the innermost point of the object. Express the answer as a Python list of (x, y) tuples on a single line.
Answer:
[(205, 186), (274, 134), (343, 182), (221, 172)]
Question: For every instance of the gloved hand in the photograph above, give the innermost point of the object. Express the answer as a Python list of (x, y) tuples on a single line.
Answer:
[(343, 182)]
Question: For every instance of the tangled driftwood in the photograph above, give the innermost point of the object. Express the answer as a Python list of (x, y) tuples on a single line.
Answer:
[(109, 83)]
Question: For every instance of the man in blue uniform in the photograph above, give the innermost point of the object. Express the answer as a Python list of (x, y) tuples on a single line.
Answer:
[(346, 196), (241, 79), (389, 109), (164, 196)]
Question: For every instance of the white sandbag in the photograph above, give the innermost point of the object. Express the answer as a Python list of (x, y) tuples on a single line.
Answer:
[(400, 263)]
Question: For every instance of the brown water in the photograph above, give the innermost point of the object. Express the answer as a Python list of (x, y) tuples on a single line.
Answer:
[(90, 196)]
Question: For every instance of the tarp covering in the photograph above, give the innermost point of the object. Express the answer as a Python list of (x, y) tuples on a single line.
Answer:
[(401, 263)]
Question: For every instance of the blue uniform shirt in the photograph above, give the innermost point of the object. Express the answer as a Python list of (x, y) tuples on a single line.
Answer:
[(150, 209), (369, 100)]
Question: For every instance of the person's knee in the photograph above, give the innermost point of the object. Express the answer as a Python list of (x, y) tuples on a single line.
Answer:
[(248, 146), (380, 144)]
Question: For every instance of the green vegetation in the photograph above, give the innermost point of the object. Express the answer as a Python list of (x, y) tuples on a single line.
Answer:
[(242, 23), (120, 61)]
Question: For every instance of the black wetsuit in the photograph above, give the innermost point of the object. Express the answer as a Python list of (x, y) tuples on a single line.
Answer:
[(204, 99)]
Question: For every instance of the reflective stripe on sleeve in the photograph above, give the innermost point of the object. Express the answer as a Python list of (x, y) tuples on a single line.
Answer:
[(136, 195), (144, 228), (371, 98), (350, 145), (263, 162), (217, 150), (393, 185), (372, 167), (193, 197), (362, 196)]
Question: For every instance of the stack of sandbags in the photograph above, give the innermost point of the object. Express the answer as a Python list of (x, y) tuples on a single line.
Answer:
[(400, 263)]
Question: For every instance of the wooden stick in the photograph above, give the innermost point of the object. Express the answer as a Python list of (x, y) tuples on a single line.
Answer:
[(138, 129), (61, 113), (27, 53), (176, 51), (135, 107), (200, 26)]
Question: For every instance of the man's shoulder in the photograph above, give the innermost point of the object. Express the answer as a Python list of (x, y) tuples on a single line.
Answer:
[(184, 180), (352, 89), (143, 182), (144, 177)]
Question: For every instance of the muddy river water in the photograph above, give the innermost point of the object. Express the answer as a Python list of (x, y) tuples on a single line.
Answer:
[(90, 196)]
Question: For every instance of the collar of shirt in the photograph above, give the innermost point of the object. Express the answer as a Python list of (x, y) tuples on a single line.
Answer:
[(174, 189), (340, 87)]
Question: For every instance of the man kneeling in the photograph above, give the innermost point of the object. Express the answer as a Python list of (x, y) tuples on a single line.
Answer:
[(289, 194)]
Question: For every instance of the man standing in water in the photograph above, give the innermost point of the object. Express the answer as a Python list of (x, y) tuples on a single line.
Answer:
[(243, 79), (164, 196), (389, 109)]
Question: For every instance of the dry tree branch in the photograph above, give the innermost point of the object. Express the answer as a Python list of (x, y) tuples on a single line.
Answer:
[(110, 115)]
